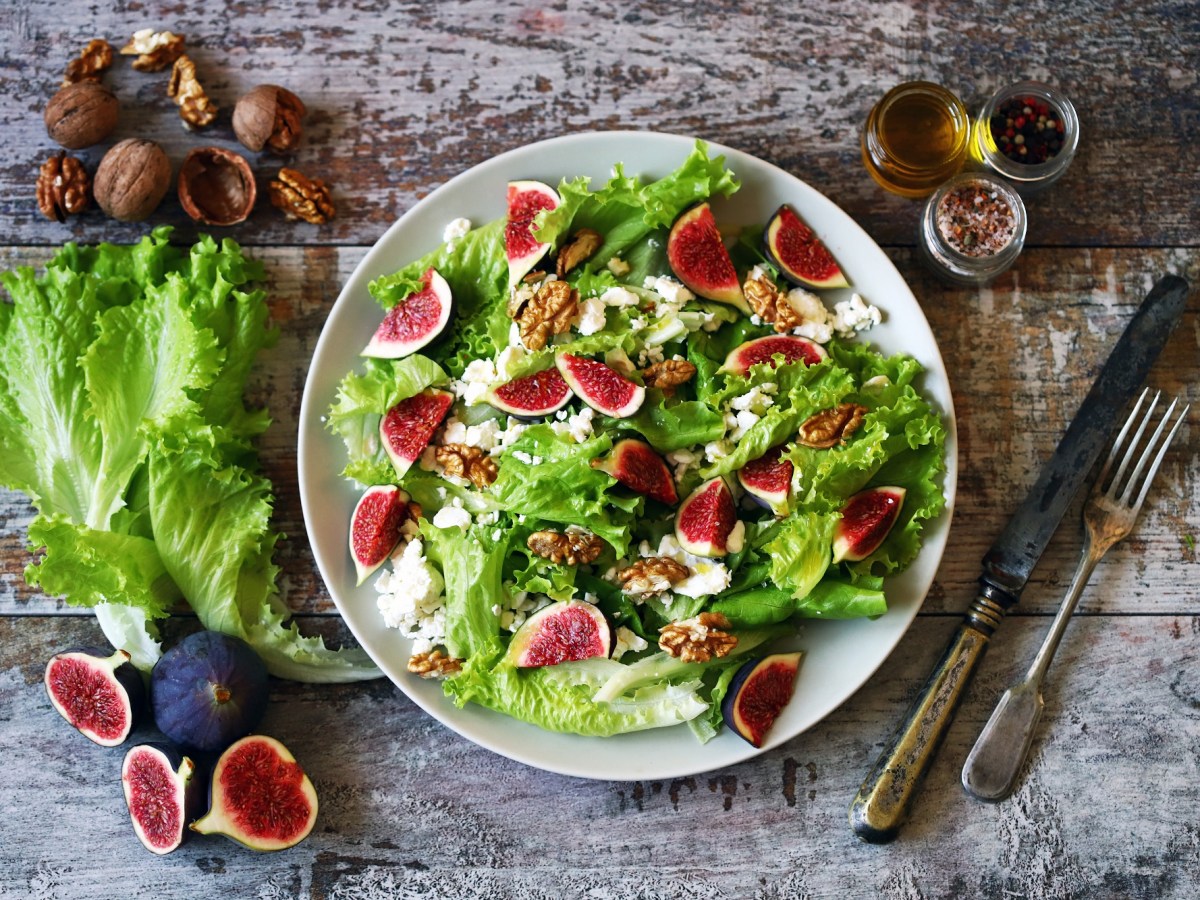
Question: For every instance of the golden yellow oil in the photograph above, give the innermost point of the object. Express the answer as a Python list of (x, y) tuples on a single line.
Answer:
[(915, 138)]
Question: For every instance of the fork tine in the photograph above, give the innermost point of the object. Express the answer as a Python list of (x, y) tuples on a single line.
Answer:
[(1116, 447), (1131, 450), (1147, 452), (1162, 451)]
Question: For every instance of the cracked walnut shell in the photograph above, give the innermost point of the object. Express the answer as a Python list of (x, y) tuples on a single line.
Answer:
[(301, 198), (269, 116), (434, 664), (216, 186), (668, 375), (63, 187), (823, 430), (653, 575), (549, 312), (573, 548), (155, 50), (92, 62), (467, 462), (195, 108), (698, 639), (81, 115)]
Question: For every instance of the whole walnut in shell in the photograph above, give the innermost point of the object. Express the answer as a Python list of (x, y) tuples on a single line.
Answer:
[(81, 115), (269, 116), (132, 179)]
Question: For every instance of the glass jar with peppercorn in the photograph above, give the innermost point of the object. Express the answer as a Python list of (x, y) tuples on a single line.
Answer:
[(1027, 133), (972, 228)]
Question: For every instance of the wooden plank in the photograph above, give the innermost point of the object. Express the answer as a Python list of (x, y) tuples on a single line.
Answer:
[(1021, 355), (403, 98), (410, 809)]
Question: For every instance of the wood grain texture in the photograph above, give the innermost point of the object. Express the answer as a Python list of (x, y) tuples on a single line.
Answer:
[(409, 809), (406, 95)]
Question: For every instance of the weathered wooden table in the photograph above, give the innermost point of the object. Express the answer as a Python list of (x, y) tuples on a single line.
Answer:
[(404, 96)]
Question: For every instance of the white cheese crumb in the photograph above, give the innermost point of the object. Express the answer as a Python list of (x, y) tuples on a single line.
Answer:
[(816, 325), (577, 427), (451, 517), (627, 642), (683, 460), (479, 375), (591, 316), (410, 595), (618, 266), (669, 289), (455, 229), (715, 450), (619, 297), (706, 576), (854, 315)]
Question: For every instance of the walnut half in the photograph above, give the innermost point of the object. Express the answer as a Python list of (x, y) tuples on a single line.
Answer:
[(668, 375), (195, 108), (92, 62), (155, 50), (434, 664), (549, 312), (573, 548), (467, 462), (823, 430), (583, 244), (301, 198), (653, 575), (770, 303), (63, 187), (698, 639)]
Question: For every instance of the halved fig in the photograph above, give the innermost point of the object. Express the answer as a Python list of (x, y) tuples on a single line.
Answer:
[(768, 479), (375, 527), (758, 693), (162, 795), (601, 387), (414, 321), (532, 396), (799, 254), (208, 690), (407, 427), (525, 200), (765, 349), (636, 465), (698, 258), (260, 796), (706, 520), (100, 694), (867, 517), (561, 632)]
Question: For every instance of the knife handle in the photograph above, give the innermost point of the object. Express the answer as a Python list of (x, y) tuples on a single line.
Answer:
[(883, 801)]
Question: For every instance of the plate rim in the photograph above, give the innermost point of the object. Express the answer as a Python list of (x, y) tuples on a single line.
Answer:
[(309, 422)]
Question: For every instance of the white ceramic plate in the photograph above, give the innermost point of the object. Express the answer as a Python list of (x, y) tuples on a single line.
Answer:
[(840, 656)]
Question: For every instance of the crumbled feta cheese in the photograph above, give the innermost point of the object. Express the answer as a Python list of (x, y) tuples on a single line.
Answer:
[(484, 435), (478, 376), (410, 595), (455, 229), (514, 330), (854, 315), (451, 517), (618, 266), (487, 518), (637, 323), (715, 450), (513, 429), (577, 427), (758, 399), (705, 576), (650, 355), (508, 361), (428, 460), (816, 325), (517, 607), (756, 320), (497, 535), (669, 289), (627, 642), (454, 431), (524, 457), (619, 297), (683, 460), (744, 421), (591, 316)]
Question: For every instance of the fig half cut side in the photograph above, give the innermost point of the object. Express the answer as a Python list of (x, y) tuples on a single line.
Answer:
[(532, 396), (867, 519), (561, 632), (636, 465), (764, 350), (407, 428), (259, 796), (601, 387), (756, 696), (100, 694), (800, 255), (698, 257), (417, 320), (162, 794), (525, 200)]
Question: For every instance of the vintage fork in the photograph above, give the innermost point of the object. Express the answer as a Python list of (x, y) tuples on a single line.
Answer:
[(991, 769)]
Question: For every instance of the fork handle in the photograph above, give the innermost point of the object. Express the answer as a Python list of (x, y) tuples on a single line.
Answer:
[(883, 801)]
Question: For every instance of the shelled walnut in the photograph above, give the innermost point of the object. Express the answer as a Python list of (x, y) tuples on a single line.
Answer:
[(434, 664), (580, 248), (828, 427), (668, 375), (653, 575), (770, 304), (549, 312), (92, 62), (467, 462), (698, 639), (185, 89), (155, 50), (63, 187), (299, 197), (573, 547)]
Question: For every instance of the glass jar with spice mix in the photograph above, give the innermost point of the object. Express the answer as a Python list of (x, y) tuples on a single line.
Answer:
[(915, 138), (1027, 133), (973, 228)]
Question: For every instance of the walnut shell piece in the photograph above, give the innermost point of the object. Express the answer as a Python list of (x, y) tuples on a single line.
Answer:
[(300, 197), (63, 187), (92, 62), (185, 89), (81, 115), (216, 186), (269, 116), (132, 179)]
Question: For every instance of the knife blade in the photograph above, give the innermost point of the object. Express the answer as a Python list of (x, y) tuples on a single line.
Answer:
[(884, 800)]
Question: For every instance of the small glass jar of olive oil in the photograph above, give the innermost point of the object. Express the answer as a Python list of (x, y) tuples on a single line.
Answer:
[(915, 138)]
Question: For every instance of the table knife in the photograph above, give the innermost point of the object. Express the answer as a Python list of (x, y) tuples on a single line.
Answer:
[(883, 801)]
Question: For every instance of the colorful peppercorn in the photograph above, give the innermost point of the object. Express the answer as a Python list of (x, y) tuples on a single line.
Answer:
[(1027, 130)]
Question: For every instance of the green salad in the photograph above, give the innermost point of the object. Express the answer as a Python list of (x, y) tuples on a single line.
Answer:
[(511, 520)]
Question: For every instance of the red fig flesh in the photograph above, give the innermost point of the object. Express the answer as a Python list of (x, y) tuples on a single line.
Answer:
[(561, 632), (532, 396), (375, 527), (799, 254), (407, 427), (525, 200), (413, 322), (99, 694), (635, 464), (601, 387), (161, 795), (765, 349), (758, 693), (768, 479), (867, 518), (260, 796), (706, 519), (698, 258)]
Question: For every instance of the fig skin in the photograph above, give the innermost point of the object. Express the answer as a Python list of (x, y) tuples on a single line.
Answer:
[(81, 114), (132, 180), (756, 696)]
